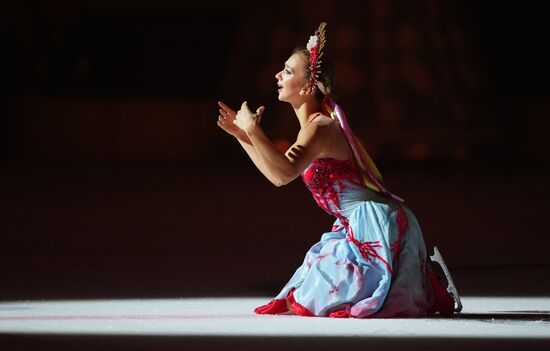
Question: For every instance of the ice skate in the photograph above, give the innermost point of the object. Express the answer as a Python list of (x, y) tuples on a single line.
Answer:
[(437, 265)]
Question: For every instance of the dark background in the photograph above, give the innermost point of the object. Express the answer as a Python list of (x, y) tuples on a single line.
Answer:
[(115, 180)]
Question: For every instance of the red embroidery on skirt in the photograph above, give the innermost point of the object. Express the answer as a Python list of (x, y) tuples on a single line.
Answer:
[(368, 249)]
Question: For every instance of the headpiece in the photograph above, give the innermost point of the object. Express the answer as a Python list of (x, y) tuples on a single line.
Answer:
[(315, 47)]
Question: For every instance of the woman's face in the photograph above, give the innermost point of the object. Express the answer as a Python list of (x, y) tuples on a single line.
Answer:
[(292, 79)]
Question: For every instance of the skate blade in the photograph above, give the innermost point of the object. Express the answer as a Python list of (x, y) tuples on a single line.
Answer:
[(451, 288)]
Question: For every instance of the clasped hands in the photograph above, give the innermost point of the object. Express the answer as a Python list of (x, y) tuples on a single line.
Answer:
[(243, 120)]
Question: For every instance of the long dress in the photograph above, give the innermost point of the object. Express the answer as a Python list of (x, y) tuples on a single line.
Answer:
[(373, 261)]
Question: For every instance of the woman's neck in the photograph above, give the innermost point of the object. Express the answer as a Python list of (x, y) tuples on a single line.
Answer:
[(306, 109)]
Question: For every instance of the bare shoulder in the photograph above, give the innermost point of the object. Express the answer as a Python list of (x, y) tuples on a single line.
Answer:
[(318, 128), (321, 120)]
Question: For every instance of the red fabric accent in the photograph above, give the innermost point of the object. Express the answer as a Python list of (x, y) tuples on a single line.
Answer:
[(313, 117), (283, 305), (368, 249), (402, 226), (340, 314), (313, 56), (402, 221), (444, 302), (324, 179), (274, 307), (290, 297), (296, 307), (301, 310)]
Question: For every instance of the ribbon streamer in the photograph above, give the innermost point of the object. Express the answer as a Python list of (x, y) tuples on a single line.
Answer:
[(371, 176)]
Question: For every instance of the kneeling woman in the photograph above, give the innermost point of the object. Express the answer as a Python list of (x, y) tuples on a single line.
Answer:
[(373, 262)]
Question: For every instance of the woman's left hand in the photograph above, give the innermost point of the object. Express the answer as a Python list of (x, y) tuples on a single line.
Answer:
[(246, 120)]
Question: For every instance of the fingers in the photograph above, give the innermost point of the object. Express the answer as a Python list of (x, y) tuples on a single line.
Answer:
[(228, 110), (224, 113), (222, 121), (225, 125), (244, 107), (228, 115), (260, 110), (224, 106)]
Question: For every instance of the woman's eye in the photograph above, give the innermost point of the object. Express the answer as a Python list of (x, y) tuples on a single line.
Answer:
[(287, 71)]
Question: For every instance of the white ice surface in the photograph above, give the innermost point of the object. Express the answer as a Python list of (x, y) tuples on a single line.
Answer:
[(488, 317)]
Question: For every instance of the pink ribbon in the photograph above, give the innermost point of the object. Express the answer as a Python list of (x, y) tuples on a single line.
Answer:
[(368, 168)]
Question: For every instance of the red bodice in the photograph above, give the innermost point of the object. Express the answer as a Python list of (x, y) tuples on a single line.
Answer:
[(327, 178)]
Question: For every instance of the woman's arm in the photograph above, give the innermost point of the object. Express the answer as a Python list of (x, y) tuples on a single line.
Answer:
[(226, 122), (281, 168)]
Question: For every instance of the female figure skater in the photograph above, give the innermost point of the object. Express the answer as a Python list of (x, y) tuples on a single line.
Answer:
[(373, 262)]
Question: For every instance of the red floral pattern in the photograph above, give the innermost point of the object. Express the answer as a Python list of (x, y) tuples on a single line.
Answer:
[(326, 178), (368, 249)]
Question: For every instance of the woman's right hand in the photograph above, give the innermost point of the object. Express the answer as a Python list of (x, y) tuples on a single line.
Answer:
[(226, 120)]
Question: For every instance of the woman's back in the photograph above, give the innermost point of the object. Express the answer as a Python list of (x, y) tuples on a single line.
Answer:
[(338, 146)]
